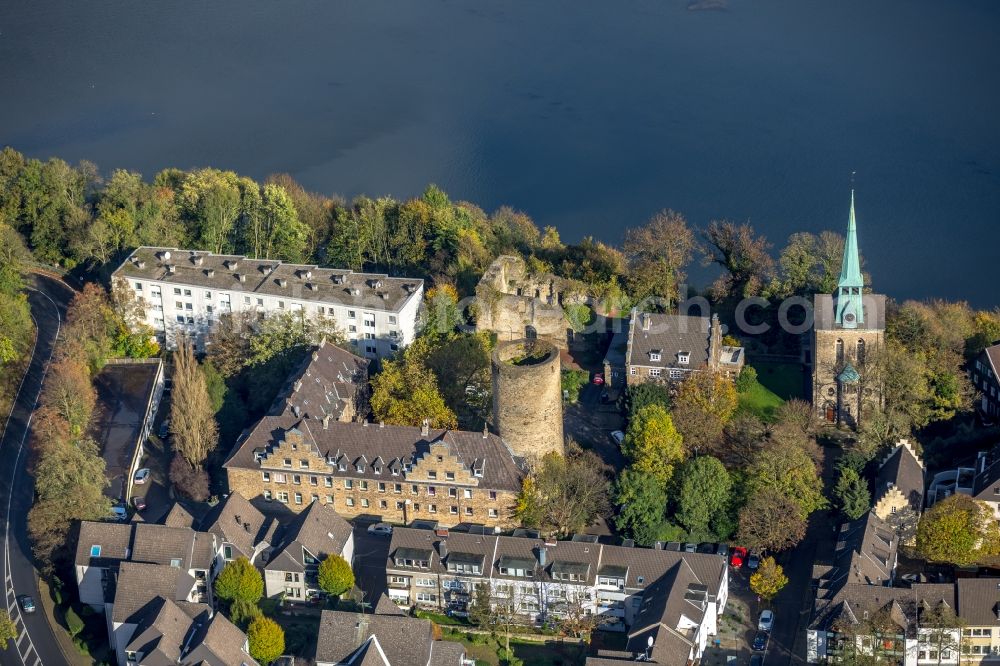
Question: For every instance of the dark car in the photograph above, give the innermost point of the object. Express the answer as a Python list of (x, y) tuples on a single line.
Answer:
[(760, 641), (723, 550), (27, 603), (756, 660), (706, 548)]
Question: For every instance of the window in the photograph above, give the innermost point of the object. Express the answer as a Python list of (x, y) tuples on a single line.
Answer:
[(423, 582), (676, 374), (369, 336), (431, 474), (399, 506), (432, 508), (370, 349), (349, 501), (351, 314), (283, 496), (281, 305), (138, 286), (426, 596), (187, 292), (208, 309), (381, 487), (376, 469), (227, 552), (449, 476), (246, 300), (364, 502), (348, 484), (287, 462), (95, 550), (352, 328), (328, 481), (493, 495), (654, 356), (298, 498), (493, 513), (632, 371), (179, 305), (467, 493), (684, 358), (382, 504), (296, 479), (208, 295), (468, 510), (414, 489), (131, 656), (267, 495), (177, 291), (175, 562), (363, 485), (397, 488), (266, 476), (654, 372), (329, 499), (453, 492), (453, 510), (840, 351), (303, 464), (392, 319), (313, 481), (260, 302), (360, 468), (431, 491)]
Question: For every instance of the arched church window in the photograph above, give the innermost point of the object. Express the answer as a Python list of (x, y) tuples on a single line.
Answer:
[(840, 352), (861, 351)]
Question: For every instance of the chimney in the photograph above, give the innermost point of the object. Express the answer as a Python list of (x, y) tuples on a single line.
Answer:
[(140, 264), (543, 553), (381, 424), (425, 428), (443, 548), (197, 261), (210, 272), (231, 264), (282, 282), (241, 277), (315, 355), (326, 421), (644, 317), (296, 411), (486, 431), (171, 269), (312, 286)]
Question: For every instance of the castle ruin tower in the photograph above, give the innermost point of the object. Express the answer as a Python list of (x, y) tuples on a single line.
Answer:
[(527, 397)]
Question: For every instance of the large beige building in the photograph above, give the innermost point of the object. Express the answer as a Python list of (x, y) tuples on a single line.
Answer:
[(848, 333), (393, 473)]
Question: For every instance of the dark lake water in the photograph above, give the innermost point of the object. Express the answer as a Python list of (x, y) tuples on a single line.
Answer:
[(586, 114)]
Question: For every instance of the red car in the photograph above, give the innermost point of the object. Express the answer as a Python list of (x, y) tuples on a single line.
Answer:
[(598, 378), (738, 556)]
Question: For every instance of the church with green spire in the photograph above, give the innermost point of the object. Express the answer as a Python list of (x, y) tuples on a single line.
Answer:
[(848, 334)]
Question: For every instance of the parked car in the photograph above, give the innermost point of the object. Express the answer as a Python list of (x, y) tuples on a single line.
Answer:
[(766, 621), (380, 528), (738, 557), (690, 547), (756, 660), (141, 476), (164, 429), (675, 546), (119, 512), (753, 561), (27, 603), (760, 641), (599, 378), (139, 502), (618, 437), (722, 549), (708, 548)]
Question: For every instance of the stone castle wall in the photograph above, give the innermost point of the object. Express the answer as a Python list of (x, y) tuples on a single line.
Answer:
[(527, 399)]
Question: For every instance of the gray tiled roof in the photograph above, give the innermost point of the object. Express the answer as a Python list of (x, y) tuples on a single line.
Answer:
[(979, 601), (854, 600), (211, 271), (903, 470), (392, 443), (235, 521), (161, 634), (668, 335), (115, 539), (218, 643), (160, 544), (406, 641), (318, 529), (329, 381), (178, 516), (865, 552), (139, 584)]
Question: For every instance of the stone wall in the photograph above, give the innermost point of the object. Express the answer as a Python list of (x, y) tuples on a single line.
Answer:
[(849, 406), (527, 398)]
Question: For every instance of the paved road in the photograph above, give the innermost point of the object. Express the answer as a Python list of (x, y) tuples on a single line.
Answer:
[(36, 644)]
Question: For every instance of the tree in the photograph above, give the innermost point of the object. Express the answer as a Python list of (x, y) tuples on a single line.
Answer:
[(481, 607), (743, 438), (575, 618), (658, 255), (703, 499), (642, 502), (69, 393), (335, 575), (406, 393), (499, 606), (852, 494), (192, 418), (742, 254), (769, 578), (8, 630), (810, 264), (770, 521), (647, 393), (792, 472), (564, 494), (940, 628), (240, 584), (653, 444), (959, 530), (190, 480), (266, 640), (705, 403)]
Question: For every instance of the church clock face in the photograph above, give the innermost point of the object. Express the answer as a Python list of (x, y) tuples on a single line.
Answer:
[(849, 317)]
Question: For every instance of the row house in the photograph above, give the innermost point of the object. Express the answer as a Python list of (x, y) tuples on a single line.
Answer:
[(545, 580), (384, 640), (668, 347), (183, 292), (392, 473), (986, 378)]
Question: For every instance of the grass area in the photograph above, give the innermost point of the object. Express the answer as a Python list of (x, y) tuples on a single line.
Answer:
[(441, 619), (785, 380), (760, 401), (484, 649)]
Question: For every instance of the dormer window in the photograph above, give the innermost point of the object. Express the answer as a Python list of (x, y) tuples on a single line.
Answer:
[(342, 467), (684, 358), (377, 469), (360, 467), (478, 472), (655, 355)]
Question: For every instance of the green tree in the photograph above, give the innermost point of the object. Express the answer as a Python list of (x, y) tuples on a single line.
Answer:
[(770, 521), (335, 575), (792, 472), (641, 395), (210, 202), (564, 494), (642, 502), (852, 494), (703, 499), (192, 416), (705, 403), (810, 264), (266, 640), (658, 256), (959, 530), (769, 578), (215, 385), (406, 393), (8, 630), (240, 584), (653, 444), (744, 256)]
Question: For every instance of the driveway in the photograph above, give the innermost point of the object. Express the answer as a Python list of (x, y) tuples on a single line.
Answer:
[(590, 423), (370, 554)]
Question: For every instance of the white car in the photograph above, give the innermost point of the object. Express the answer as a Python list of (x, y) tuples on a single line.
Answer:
[(141, 476), (766, 621), (380, 528), (618, 436)]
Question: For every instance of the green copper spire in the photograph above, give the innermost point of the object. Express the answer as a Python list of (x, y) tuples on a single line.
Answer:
[(850, 312)]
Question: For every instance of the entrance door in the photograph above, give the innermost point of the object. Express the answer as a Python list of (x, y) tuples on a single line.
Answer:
[(831, 414)]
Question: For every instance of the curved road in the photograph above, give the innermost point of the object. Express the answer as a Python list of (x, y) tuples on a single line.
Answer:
[(36, 643)]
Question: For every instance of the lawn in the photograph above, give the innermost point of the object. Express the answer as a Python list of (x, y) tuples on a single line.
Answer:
[(484, 648), (785, 380), (760, 401)]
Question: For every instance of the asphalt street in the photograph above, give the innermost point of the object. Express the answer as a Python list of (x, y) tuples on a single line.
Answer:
[(36, 643)]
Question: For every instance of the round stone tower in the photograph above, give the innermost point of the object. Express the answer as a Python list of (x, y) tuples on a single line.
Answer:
[(527, 397)]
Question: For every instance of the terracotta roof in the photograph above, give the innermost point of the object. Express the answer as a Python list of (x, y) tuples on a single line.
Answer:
[(139, 584), (393, 444), (329, 381), (265, 276), (235, 521), (319, 530)]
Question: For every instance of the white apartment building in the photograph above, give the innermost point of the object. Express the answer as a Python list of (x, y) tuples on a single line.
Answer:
[(184, 292)]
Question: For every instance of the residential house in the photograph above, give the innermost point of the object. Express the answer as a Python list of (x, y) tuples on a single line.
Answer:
[(668, 347), (308, 539), (391, 473), (330, 383), (979, 608), (383, 640), (546, 580), (240, 529), (183, 292), (899, 490), (865, 554), (981, 481), (986, 379)]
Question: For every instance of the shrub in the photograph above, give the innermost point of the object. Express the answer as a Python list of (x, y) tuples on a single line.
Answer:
[(747, 379), (73, 622), (266, 640), (335, 575), (189, 481)]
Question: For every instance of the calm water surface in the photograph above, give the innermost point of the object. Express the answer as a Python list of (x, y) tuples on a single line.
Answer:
[(589, 115)]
